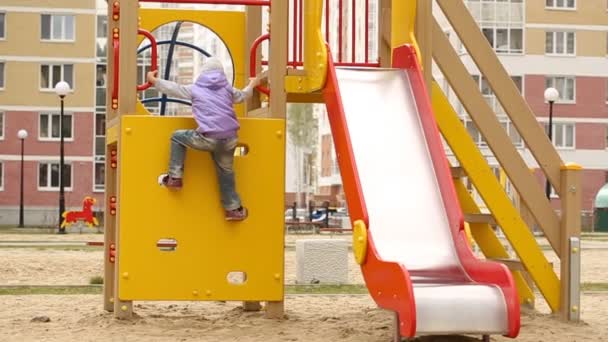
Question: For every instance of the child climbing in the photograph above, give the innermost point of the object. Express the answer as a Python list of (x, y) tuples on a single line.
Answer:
[(212, 98)]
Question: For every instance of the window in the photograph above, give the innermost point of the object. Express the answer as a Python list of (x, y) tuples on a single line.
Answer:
[(48, 127), (57, 27), (1, 75), (100, 91), (501, 22), (489, 96), (565, 85), (102, 26), (505, 123), (51, 74), (1, 126), (102, 32), (2, 25), (606, 92), (563, 134), (100, 152), (48, 176), (560, 43), (504, 40), (560, 4), (100, 181), (1, 176)]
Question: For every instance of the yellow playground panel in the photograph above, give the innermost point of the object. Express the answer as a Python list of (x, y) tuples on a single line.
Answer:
[(228, 25), (207, 248)]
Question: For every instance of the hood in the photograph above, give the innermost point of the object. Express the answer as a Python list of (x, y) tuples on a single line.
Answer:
[(214, 79)]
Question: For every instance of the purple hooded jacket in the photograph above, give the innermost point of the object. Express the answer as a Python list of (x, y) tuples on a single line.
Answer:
[(212, 102), (212, 105)]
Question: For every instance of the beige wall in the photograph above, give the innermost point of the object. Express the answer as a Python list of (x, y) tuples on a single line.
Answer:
[(588, 12), (81, 4), (22, 86), (23, 37), (535, 42), (588, 43), (591, 43)]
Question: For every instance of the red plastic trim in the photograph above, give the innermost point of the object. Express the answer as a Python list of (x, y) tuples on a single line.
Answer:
[(388, 282)]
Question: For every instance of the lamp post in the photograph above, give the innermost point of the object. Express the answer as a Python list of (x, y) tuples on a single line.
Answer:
[(551, 95), (61, 89), (22, 135)]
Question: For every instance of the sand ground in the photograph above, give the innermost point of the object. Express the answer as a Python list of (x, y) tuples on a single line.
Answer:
[(309, 317)]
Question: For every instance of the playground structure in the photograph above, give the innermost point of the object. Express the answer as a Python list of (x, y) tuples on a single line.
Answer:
[(422, 268)]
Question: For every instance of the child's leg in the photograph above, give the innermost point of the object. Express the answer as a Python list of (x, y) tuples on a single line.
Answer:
[(179, 141), (223, 156)]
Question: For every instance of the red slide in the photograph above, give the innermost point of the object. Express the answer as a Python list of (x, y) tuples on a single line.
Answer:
[(397, 181)]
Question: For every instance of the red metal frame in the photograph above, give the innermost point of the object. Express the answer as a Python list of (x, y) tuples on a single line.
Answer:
[(354, 32), (153, 57), (366, 31), (116, 47), (253, 61), (339, 31)]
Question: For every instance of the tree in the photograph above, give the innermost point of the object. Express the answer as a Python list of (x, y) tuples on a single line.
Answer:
[(302, 130)]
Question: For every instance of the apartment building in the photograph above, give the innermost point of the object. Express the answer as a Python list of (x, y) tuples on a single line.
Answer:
[(550, 43), (42, 43)]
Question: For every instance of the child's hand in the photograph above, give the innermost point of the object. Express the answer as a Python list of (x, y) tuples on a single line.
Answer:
[(254, 81), (151, 76)]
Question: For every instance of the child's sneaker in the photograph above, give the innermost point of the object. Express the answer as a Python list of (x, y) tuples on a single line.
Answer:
[(236, 215), (169, 182)]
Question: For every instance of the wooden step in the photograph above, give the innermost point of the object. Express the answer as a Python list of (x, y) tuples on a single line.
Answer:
[(480, 218), (262, 112), (458, 172)]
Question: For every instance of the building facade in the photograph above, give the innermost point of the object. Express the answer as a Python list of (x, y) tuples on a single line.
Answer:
[(40, 46), (552, 43)]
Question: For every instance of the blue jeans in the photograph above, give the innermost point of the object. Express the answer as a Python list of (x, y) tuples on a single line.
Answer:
[(222, 152)]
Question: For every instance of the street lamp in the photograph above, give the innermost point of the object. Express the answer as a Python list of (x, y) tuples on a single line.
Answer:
[(22, 135), (61, 89), (551, 95)]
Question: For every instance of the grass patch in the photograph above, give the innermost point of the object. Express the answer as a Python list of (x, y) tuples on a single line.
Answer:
[(289, 289), (594, 287), (96, 280), (326, 289), (50, 290), (57, 248)]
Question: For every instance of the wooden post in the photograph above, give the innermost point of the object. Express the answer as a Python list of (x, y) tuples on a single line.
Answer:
[(110, 175), (384, 33), (424, 29), (275, 310), (254, 30), (127, 100), (109, 233), (279, 21), (278, 58), (570, 227)]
